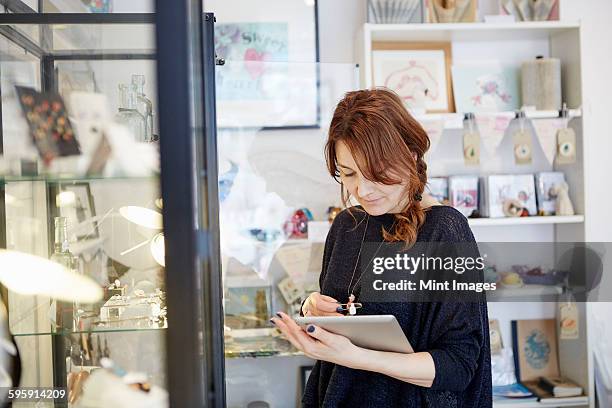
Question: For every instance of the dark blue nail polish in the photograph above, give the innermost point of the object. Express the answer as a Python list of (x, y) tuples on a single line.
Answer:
[(311, 329), (279, 315), (339, 309), (272, 321)]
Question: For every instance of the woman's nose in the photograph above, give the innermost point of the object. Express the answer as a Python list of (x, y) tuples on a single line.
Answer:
[(364, 187)]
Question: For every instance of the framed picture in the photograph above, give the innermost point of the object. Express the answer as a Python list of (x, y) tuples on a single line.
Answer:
[(546, 184), (535, 349), (486, 87), (270, 76), (503, 187), (76, 203), (304, 374), (463, 194), (248, 307), (418, 72), (456, 11), (438, 188)]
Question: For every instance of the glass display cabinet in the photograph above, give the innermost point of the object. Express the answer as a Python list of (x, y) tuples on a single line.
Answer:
[(190, 200), (106, 149)]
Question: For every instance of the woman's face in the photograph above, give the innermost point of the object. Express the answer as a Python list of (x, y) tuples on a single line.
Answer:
[(375, 198)]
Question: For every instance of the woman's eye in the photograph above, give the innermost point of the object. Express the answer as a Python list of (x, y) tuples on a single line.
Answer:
[(348, 174)]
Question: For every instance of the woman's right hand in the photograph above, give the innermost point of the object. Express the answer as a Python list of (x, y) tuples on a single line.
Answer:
[(320, 305)]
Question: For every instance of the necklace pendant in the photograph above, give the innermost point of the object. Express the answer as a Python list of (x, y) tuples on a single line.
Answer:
[(351, 298), (352, 309)]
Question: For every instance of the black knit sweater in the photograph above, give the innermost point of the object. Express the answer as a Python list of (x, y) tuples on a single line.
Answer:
[(455, 334)]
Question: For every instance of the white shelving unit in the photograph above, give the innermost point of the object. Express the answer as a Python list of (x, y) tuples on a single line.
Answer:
[(496, 222), (455, 120), (511, 43), (533, 405)]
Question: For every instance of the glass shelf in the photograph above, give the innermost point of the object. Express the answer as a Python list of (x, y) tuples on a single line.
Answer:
[(128, 314), (260, 347), (59, 178), (62, 332), (90, 33)]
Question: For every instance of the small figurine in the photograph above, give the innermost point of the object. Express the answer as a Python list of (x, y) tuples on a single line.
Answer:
[(514, 208), (563, 204)]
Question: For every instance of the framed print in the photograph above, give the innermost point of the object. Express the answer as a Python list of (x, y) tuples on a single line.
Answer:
[(76, 203), (486, 87), (270, 75), (248, 307), (304, 374), (535, 349), (501, 188), (418, 72)]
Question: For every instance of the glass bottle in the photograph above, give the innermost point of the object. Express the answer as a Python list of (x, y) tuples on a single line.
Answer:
[(144, 105), (61, 253), (62, 313), (128, 113)]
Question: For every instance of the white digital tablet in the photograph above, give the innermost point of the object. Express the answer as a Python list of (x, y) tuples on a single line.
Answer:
[(374, 332)]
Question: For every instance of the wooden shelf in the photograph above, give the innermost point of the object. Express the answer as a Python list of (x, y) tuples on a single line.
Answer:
[(536, 220), (468, 31)]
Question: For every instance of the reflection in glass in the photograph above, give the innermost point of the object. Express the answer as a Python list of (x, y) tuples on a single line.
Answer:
[(274, 190)]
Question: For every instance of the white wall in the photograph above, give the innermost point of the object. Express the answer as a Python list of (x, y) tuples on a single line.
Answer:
[(597, 88), (340, 19)]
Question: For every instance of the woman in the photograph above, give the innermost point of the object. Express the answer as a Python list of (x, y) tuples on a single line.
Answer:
[(376, 149)]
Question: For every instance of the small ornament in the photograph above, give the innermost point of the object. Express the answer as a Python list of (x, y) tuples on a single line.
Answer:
[(522, 141), (563, 204), (297, 226), (566, 146), (332, 212), (568, 319), (471, 141), (513, 208)]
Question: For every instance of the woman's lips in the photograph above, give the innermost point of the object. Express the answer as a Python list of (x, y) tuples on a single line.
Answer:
[(372, 201)]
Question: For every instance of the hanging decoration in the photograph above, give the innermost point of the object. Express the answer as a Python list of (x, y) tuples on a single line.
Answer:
[(471, 141), (546, 133), (566, 140), (434, 129), (522, 142), (492, 129)]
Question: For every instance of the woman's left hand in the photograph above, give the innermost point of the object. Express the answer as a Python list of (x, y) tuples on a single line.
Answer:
[(318, 343)]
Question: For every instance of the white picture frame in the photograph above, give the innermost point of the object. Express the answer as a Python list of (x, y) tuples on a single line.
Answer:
[(418, 72), (270, 76)]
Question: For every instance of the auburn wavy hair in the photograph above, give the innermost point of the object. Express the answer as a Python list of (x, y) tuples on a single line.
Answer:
[(388, 145)]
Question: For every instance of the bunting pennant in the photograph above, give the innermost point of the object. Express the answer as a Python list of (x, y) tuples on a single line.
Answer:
[(434, 129), (492, 129), (546, 132)]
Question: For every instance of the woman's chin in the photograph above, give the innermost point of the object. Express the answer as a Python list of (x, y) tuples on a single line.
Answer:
[(374, 209)]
